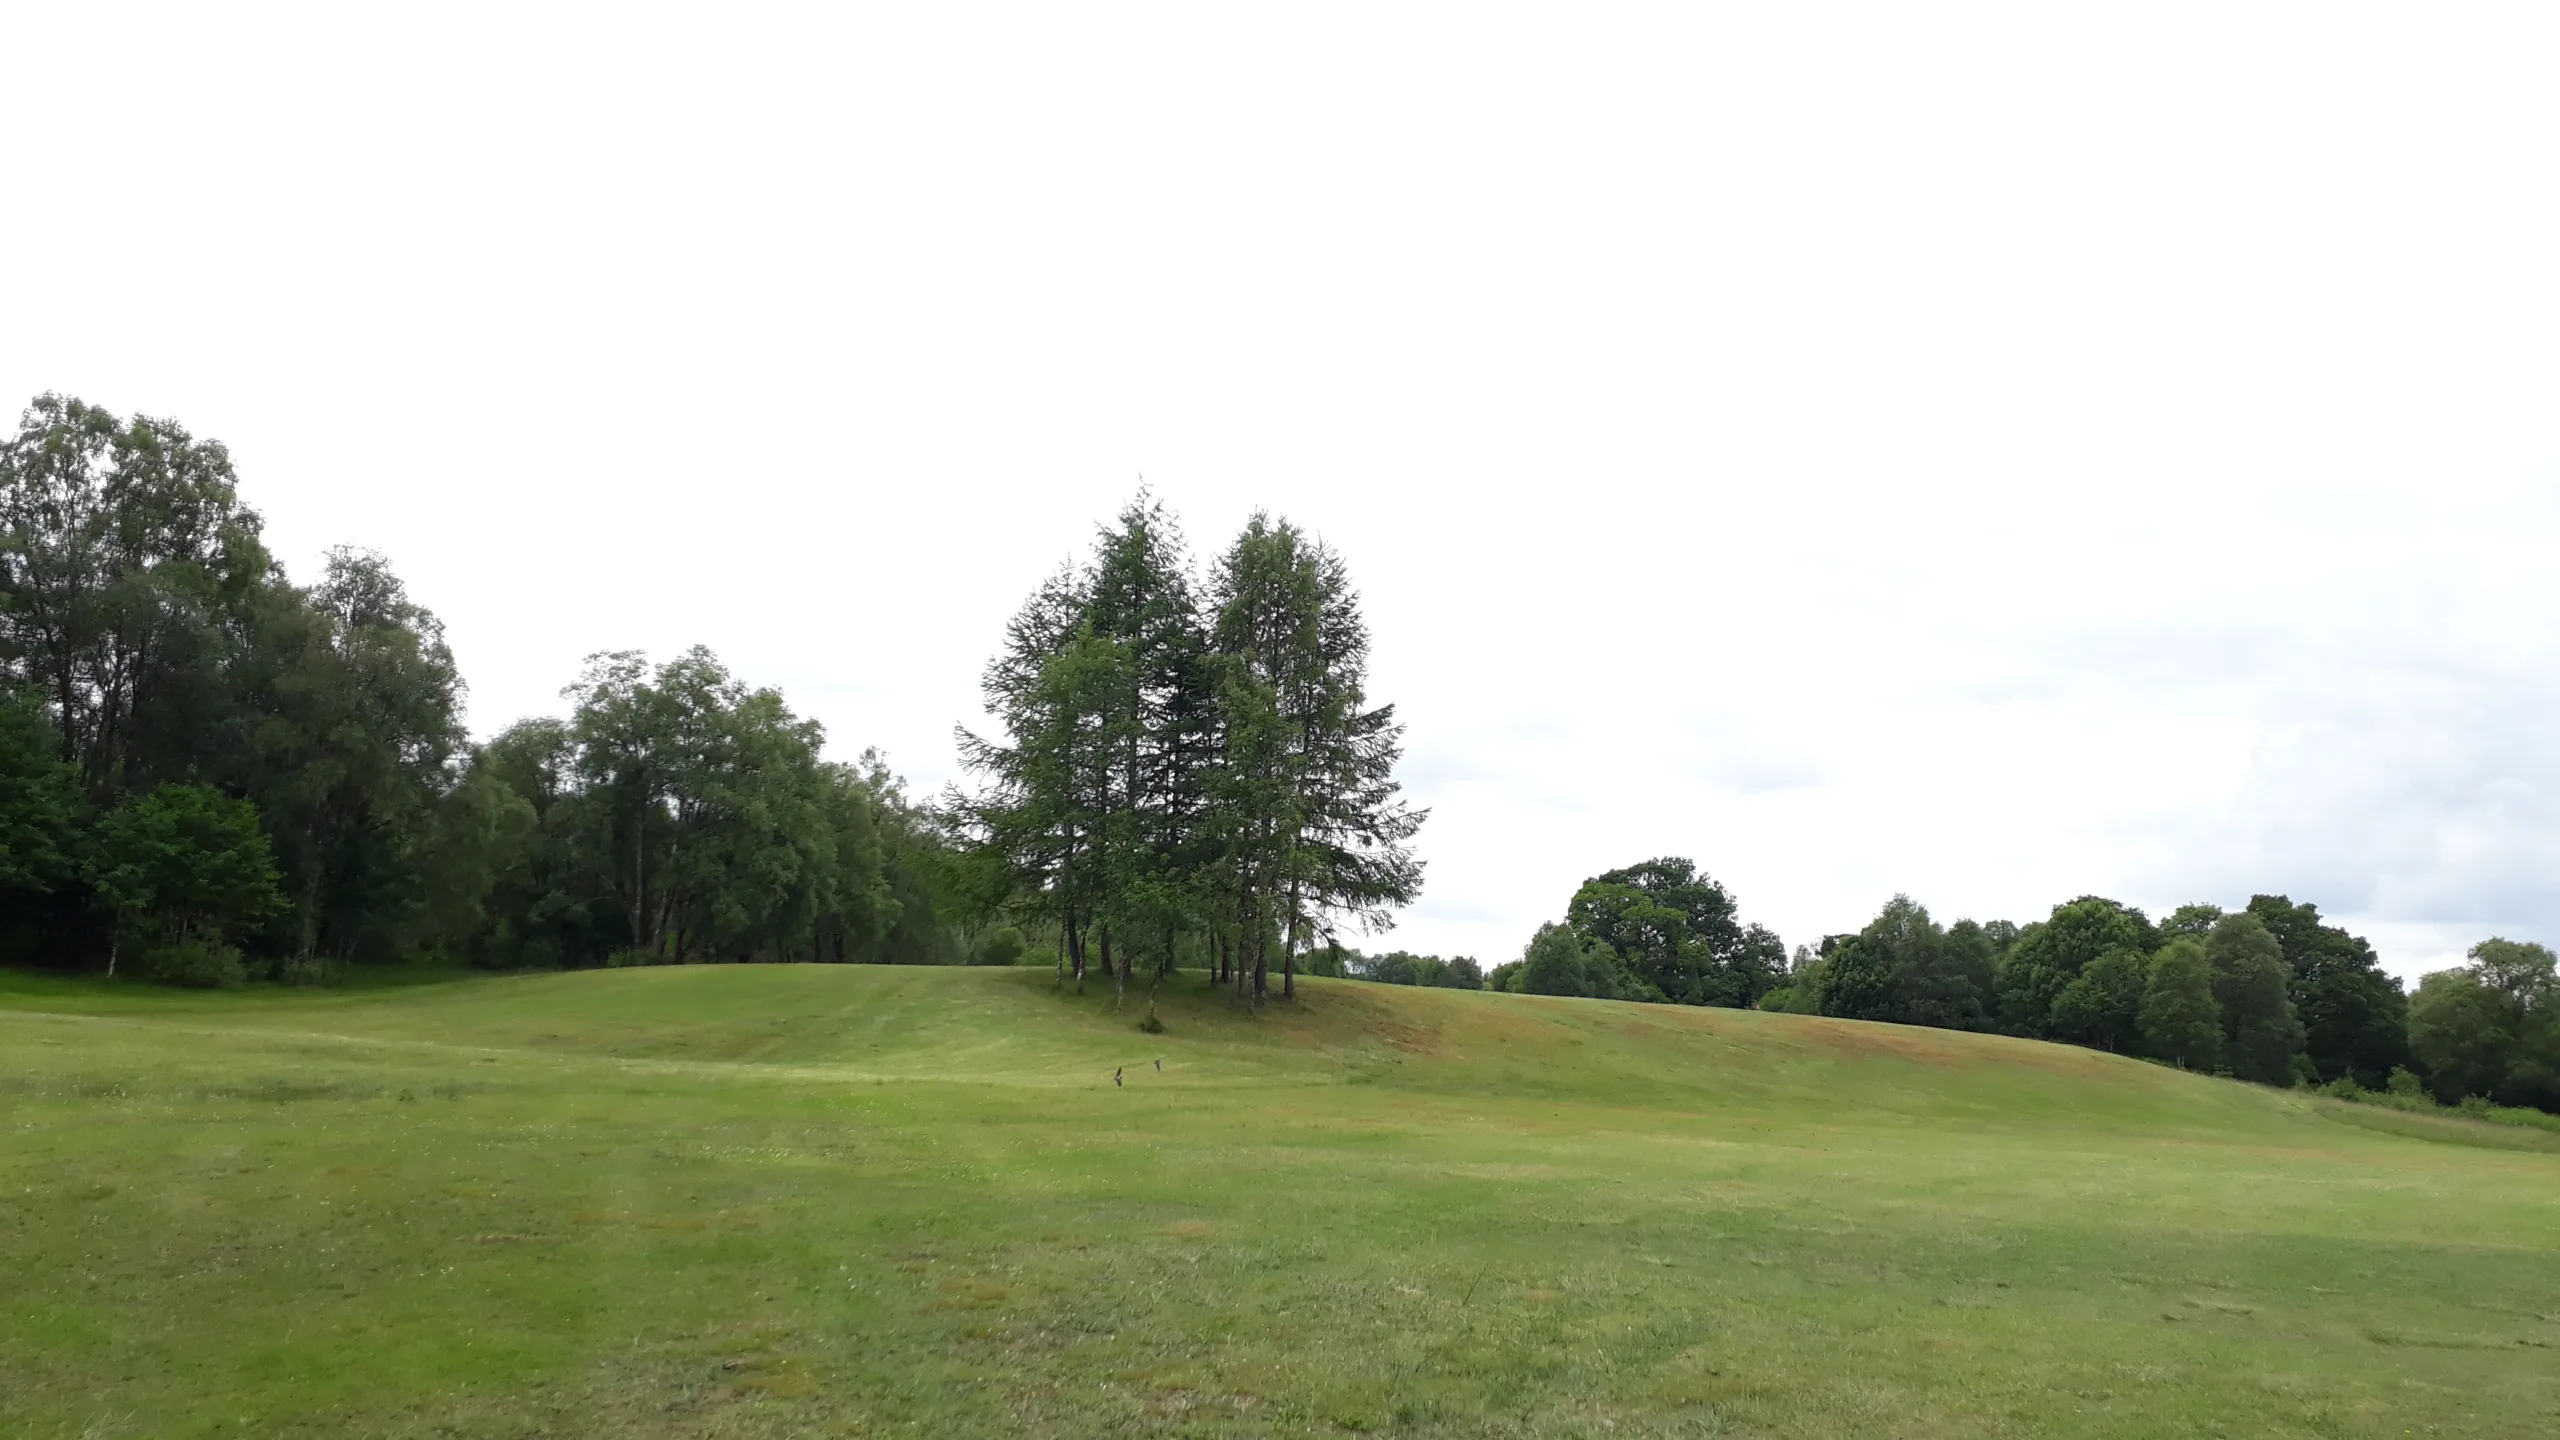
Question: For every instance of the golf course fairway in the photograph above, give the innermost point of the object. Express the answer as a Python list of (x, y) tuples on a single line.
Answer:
[(854, 1200)]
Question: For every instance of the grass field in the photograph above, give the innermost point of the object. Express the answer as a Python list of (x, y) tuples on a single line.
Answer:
[(778, 1201)]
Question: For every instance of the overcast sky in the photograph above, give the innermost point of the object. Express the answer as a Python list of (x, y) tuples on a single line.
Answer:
[(1994, 454)]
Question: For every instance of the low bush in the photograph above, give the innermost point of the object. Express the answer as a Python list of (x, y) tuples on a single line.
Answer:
[(2407, 1093), (194, 964)]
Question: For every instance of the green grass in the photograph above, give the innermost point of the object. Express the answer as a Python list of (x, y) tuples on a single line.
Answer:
[(746, 1201)]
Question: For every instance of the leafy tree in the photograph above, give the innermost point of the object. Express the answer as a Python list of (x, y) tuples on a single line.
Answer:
[(126, 560), (2102, 1006), (1904, 968), (2491, 1028), (347, 716), (2190, 922), (1676, 930), (1808, 976), (2355, 1016), (2252, 983), (182, 864), (2180, 1020), (1558, 961), (2049, 955)]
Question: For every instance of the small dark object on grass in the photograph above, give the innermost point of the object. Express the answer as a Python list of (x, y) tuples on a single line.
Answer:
[(1151, 1024), (1115, 1074), (1159, 1062)]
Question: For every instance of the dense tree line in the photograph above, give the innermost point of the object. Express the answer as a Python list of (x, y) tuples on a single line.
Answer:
[(2292, 998), (1189, 766), (1396, 967), (209, 771), (2269, 993)]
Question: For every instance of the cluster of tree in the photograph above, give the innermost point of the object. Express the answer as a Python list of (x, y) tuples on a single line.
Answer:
[(2491, 1028), (2268, 993), (1189, 768), (1661, 931), (1396, 967), (207, 770), (677, 815)]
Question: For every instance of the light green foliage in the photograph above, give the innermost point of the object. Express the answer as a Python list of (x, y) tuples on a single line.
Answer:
[(1558, 961), (835, 1200), (1003, 946), (2180, 1019), (2253, 985), (182, 864)]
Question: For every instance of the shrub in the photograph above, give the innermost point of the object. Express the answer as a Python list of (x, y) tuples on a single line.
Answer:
[(194, 964), (1003, 947)]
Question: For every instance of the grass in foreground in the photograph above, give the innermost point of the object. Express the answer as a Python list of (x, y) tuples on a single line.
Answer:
[(745, 1201)]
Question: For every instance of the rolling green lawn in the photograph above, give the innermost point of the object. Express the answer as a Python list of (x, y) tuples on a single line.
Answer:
[(748, 1201)]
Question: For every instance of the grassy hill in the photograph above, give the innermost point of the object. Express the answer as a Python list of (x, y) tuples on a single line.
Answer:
[(743, 1201)]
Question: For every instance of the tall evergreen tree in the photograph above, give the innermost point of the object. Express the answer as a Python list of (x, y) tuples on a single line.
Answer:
[(1316, 833)]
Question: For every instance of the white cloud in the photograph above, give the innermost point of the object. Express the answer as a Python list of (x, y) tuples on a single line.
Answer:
[(1995, 453)]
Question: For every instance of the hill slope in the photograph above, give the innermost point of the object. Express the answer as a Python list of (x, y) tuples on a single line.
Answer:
[(794, 1200)]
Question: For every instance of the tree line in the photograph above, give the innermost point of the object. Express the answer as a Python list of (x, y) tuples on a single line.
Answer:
[(2269, 993), (208, 771)]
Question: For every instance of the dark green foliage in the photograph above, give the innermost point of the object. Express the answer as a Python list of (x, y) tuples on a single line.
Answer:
[(1399, 967), (128, 568), (2491, 1028), (2253, 985), (2180, 1019), (2049, 955), (1188, 768), (1904, 968), (167, 696), (2355, 1017), (2102, 1006), (1674, 932), (679, 815), (40, 823)]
